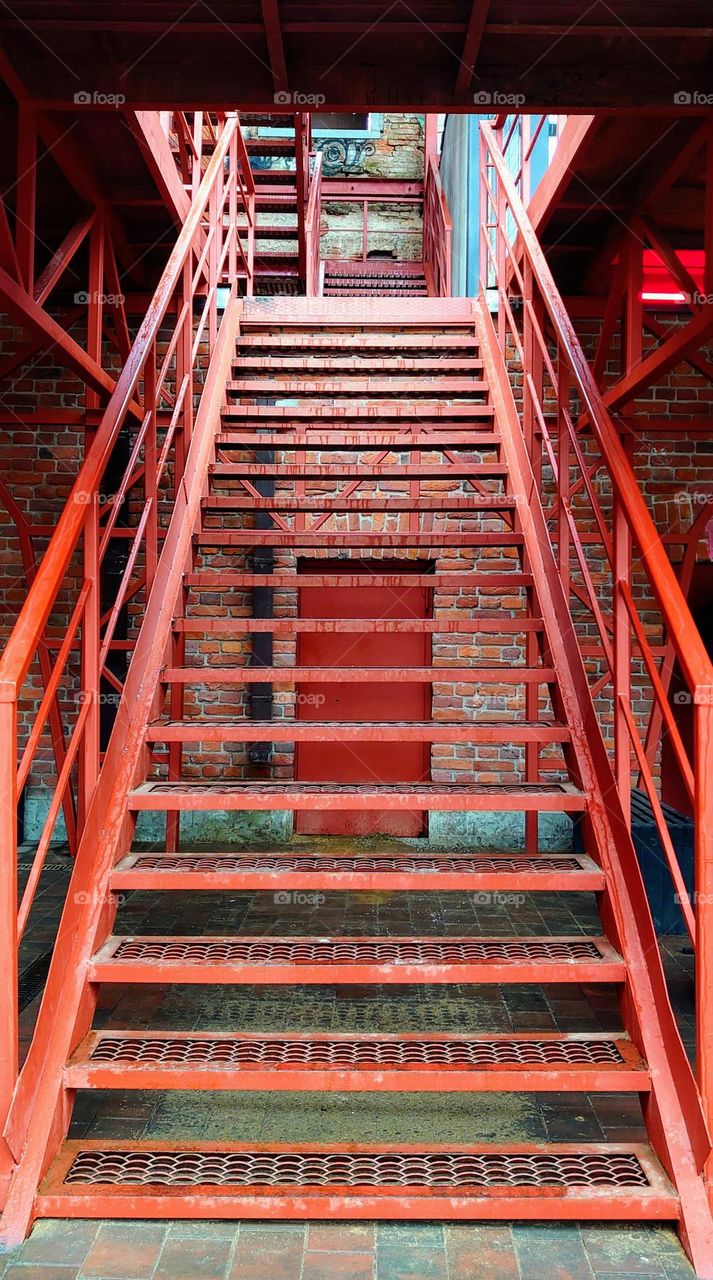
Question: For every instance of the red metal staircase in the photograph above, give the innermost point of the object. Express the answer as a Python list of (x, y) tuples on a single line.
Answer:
[(368, 431)]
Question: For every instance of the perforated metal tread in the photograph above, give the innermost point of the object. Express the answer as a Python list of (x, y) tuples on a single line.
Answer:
[(292, 869), (553, 797), (606, 1181), (247, 730), (190, 1060), (292, 960)]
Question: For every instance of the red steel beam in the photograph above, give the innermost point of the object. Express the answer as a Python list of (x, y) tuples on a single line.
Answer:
[(471, 47), (33, 317), (275, 45)]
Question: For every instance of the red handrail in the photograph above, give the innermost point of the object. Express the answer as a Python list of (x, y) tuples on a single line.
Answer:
[(437, 231), (312, 223), (155, 401), (586, 527)]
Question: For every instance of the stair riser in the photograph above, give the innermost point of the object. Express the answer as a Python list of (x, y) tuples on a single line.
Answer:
[(356, 974), (347, 366), (417, 414), (471, 676), (440, 1080), (589, 1205), (376, 626), (475, 799), (337, 882), (308, 385), (212, 579), (297, 731), (362, 438)]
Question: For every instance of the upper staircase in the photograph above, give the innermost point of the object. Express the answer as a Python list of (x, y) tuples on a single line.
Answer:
[(273, 144), (355, 626)]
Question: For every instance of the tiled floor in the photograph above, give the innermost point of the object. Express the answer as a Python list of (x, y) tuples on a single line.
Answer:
[(343, 1251)]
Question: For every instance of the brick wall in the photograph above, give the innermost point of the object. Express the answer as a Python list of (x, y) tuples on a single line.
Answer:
[(39, 463)]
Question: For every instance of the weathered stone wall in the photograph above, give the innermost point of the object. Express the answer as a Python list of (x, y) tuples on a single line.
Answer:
[(394, 228)]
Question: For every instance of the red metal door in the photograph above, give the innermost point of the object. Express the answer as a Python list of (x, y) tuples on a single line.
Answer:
[(363, 702)]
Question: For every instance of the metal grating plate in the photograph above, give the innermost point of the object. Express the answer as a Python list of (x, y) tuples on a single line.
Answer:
[(347, 1052), (275, 951), (356, 1169), (345, 862)]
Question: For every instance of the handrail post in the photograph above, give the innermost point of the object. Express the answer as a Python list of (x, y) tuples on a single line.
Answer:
[(484, 208), (9, 1035), (233, 209), (151, 466), (703, 881), (622, 656), (90, 672)]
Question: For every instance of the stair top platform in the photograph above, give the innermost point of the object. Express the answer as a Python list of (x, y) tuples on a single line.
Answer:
[(395, 312)]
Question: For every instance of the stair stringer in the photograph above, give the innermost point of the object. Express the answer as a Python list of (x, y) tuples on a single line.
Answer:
[(678, 1129), (39, 1116)]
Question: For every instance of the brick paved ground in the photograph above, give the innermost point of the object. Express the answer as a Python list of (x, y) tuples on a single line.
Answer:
[(343, 1251)]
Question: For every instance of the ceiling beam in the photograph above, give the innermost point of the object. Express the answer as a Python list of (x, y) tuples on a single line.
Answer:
[(471, 46), (275, 43)]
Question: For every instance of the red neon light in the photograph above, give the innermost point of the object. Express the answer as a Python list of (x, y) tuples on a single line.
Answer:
[(663, 297), (659, 286)]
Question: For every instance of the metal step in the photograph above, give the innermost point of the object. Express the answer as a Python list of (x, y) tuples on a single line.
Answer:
[(307, 869), (308, 385), (277, 266), (270, 146), (495, 626), (340, 538), (295, 730), (432, 315), (346, 365), (510, 580), (271, 231), (357, 1063), (337, 342), (329, 504), (313, 1181), (473, 677), (462, 470), (372, 268), (363, 289), (275, 177), (420, 412), (305, 796), (451, 437), (282, 200), (294, 961)]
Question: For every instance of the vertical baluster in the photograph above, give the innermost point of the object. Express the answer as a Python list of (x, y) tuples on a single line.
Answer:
[(632, 349), (703, 878), (532, 393), (151, 466), (622, 657), (90, 673), (484, 205), (198, 153), (9, 1052), (500, 233), (184, 369), (213, 251), (233, 209), (564, 466)]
